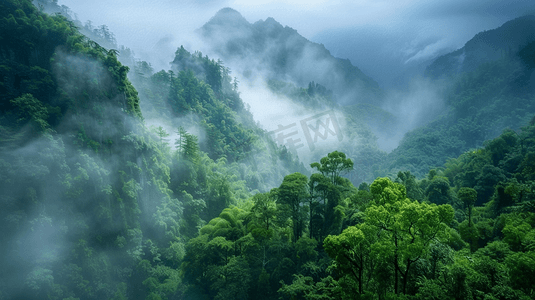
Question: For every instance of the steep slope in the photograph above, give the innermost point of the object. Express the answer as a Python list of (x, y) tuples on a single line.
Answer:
[(198, 94), (491, 90), (477, 214), (73, 157), (94, 203), (266, 48), (485, 47)]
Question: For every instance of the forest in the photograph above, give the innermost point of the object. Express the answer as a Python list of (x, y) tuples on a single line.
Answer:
[(100, 201)]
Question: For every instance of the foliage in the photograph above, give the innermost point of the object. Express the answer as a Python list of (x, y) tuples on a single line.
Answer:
[(479, 103), (98, 205)]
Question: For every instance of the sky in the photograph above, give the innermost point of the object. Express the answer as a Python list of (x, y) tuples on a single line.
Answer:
[(385, 39)]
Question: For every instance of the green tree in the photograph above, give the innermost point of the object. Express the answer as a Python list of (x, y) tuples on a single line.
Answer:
[(320, 189), (408, 227), (291, 194), (468, 197), (351, 250), (191, 148), (438, 191), (333, 165), (264, 210), (162, 134), (31, 109), (409, 181), (232, 280), (180, 142), (521, 267), (326, 189)]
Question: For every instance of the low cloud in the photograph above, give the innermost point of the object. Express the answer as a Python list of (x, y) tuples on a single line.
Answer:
[(375, 33), (427, 51)]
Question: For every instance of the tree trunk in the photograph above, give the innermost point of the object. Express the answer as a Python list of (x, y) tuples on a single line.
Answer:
[(361, 273), (406, 276), (396, 266)]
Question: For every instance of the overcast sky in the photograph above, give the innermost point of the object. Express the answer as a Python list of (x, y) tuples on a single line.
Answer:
[(380, 37)]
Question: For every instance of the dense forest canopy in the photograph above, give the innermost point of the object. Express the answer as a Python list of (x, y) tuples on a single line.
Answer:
[(118, 181)]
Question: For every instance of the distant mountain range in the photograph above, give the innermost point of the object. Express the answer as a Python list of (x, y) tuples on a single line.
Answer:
[(491, 88), (278, 52), (484, 47), (488, 91)]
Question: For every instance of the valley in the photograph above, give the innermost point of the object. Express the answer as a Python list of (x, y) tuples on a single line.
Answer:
[(249, 162)]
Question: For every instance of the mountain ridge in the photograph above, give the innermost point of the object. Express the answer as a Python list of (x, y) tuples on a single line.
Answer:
[(280, 51), (489, 89), (485, 46)]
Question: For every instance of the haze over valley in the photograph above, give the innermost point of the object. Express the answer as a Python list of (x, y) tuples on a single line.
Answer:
[(269, 150), (362, 52)]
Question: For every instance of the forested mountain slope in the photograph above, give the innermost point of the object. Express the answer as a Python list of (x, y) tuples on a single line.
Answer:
[(484, 47), (74, 162), (462, 232), (88, 190), (490, 94), (170, 191)]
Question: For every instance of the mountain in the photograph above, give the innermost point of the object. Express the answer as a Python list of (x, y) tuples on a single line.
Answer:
[(491, 88), (160, 185), (91, 187), (484, 47), (281, 53)]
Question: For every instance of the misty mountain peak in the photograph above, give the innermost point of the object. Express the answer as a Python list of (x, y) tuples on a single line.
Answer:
[(272, 22), (281, 52), (270, 25), (486, 46), (227, 17)]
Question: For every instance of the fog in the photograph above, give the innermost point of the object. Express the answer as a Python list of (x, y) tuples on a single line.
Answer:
[(420, 102), (99, 201), (401, 43), (287, 121), (382, 38), (390, 41)]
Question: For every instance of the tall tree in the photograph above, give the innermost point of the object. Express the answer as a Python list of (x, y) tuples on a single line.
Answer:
[(408, 227), (191, 148), (333, 165), (162, 134), (292, 193), (329, 187), (181, 140), (469, 197), (352, 252)]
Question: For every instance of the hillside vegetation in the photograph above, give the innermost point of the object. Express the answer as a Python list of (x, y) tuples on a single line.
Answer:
[(488, 95), (122, 182)]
